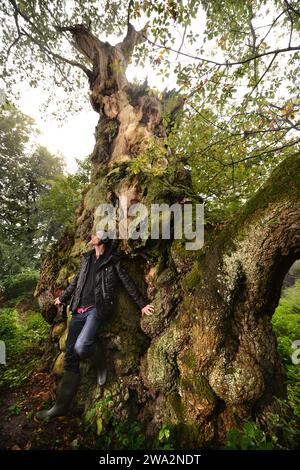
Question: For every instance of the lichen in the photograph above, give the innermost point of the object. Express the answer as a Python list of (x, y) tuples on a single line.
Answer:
[(161, 361), (238, 382)]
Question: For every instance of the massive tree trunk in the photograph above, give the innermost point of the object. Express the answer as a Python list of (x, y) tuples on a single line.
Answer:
[(206, 360)]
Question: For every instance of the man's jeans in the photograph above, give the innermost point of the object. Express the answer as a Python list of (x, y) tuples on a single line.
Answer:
[(81, 339)]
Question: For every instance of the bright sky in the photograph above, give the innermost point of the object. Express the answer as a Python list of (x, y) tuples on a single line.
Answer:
[(73, 139)]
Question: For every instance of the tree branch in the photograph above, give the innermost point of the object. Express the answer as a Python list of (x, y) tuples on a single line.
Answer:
[(132, 39), (290, 7), (227, 64), (40, 44)]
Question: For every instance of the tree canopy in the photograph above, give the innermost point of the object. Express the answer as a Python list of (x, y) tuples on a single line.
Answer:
[(235, 63)]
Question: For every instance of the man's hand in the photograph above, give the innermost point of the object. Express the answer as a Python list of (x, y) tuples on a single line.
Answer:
[(57, 301), (148, 309)]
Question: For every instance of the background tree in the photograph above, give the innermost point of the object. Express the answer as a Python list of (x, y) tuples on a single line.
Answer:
[(56, 207), (25, 166), (37, 198)]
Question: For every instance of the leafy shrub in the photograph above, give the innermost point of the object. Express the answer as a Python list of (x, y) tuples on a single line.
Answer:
[(20, 337), (249, 438), (8, 325), (19, 285), (287, 424), (286, 324), (108, 432)]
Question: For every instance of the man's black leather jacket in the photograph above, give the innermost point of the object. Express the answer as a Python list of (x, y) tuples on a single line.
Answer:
[(109, 270)]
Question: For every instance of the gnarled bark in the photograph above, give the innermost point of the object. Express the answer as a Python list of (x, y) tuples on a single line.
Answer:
[(206, 360)]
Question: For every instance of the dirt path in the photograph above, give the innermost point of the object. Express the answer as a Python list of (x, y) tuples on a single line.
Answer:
[(19, 428)]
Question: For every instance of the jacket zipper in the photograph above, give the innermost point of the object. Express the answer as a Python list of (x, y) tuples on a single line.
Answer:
[(103, 290)]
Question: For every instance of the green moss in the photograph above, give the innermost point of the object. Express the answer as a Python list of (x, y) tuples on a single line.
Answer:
[(96, 195), (174, 401), (283, 183), (166, 275), (182, 258), (67, 272), (155, 187), (78, 248), (178, 246), (186, 383), (198, 385), (98, 172), (117, 173), (193, 278), (189, 359), (203, 388)]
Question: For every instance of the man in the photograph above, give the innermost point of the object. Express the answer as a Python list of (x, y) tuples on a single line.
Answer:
[(91, 296)]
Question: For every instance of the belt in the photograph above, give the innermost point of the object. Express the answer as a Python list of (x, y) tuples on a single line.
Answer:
[(84, 309)]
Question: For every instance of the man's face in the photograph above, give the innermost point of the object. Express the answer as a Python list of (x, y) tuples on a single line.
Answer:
[(95, 240)]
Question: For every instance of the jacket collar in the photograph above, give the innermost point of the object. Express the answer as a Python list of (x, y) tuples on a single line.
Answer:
[(105, 258)]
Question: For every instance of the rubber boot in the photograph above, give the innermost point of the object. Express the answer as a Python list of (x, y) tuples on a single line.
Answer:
[(99, 363), (67, 391)]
